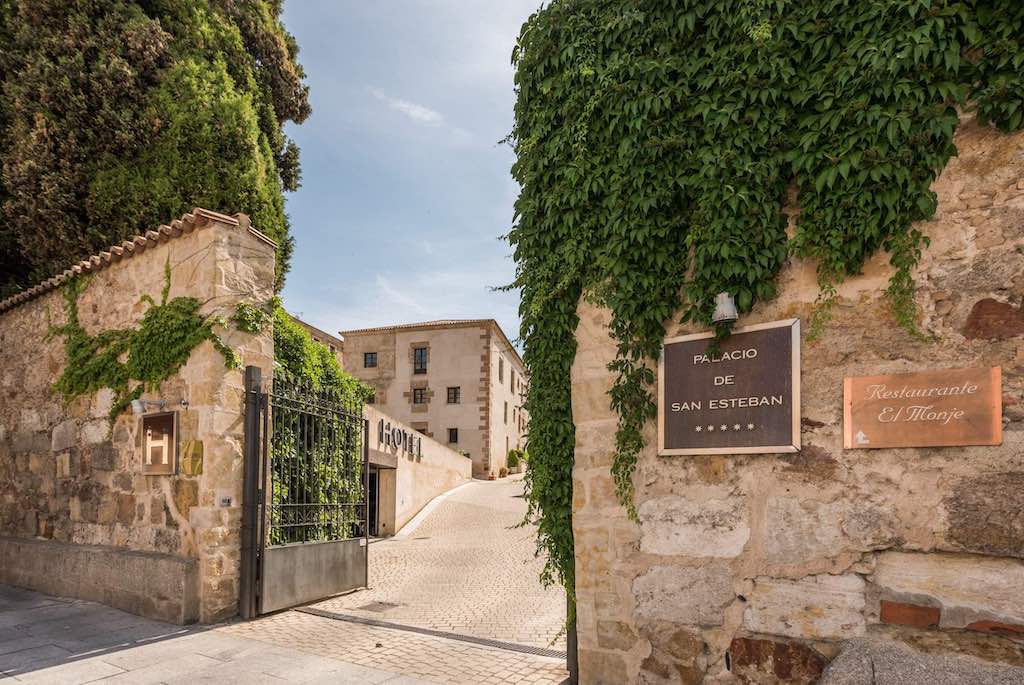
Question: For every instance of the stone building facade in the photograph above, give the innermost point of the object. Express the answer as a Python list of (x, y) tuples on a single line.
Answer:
[(78, 517), (444, 376), (848, 566)]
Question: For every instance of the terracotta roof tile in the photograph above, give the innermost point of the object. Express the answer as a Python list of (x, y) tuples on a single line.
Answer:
[(197, 218)]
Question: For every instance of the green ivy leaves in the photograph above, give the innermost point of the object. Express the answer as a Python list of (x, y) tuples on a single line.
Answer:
[(129, 361), (658, 142)]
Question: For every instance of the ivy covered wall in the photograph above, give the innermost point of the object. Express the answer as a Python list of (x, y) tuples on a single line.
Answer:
[(658, 143)]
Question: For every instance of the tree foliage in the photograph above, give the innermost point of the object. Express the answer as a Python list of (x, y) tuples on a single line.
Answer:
[(116, 115), (657, 142)]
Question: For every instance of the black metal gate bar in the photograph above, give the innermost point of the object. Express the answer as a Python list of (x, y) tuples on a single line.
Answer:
[(248, 601), (317, 477), (305, 507)]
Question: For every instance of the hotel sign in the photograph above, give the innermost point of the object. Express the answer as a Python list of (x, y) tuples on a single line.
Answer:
[(926, 409), (742, 399), (398, 438)]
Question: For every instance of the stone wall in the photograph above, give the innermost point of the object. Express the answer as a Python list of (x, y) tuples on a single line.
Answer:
[(766, 568), (412, 479), (71, 482)]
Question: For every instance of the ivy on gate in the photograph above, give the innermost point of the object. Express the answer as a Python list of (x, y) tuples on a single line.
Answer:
[(657, 142)]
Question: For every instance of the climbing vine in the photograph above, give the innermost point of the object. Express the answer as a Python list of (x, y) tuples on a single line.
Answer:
[(129, 361), (658, 142)]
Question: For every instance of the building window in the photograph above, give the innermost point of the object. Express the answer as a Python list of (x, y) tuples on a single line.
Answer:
[(369, 360), (454, 395), (453, 436), (506, 412), (419, 395), (501, 370), (512, 376), (419, 360)]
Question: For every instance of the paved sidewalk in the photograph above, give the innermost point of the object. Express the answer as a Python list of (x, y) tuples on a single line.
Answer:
[(467, 569), (50, 640)]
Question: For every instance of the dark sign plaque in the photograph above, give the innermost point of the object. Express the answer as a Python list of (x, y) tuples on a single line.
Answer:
[(923, 409), (744, 399)]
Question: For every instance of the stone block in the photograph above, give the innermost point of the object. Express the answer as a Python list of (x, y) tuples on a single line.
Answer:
[(677, 655), (103, 457), (984, 514), (699, 522), (774, 661), (94, 432), (821, 607), (991, 319), (186, 495), (800, 530), (685, 594), (602, 668), (913, 615), (125, 508), (64, 435), (615, 635), (968, 589), (882, 662)]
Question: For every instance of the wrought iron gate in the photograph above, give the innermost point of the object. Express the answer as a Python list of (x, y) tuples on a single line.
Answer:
[(304, 527)]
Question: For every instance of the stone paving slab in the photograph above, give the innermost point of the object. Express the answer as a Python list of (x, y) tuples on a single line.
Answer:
[(289, 647), (468, 568)]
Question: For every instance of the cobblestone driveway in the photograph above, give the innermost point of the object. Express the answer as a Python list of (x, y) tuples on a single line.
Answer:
[(464, 570), (468, 569)]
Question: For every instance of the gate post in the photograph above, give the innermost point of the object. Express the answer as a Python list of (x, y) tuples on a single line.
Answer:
[(248, 601)]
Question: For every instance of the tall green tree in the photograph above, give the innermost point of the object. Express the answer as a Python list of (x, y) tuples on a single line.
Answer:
[(117, 115)]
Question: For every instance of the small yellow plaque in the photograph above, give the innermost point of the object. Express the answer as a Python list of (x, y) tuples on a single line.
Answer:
[(192, 458)]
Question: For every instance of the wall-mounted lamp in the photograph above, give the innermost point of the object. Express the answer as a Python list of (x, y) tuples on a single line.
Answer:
[(139, 406), (725, 308)]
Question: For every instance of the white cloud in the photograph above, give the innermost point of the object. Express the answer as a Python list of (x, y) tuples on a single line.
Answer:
[(418, 113)]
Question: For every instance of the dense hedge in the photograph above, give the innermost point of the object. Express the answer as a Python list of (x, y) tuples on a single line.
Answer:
[(657, 142), (118, 115)]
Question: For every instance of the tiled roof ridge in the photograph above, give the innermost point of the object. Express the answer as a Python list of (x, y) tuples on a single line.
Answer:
[(197, 218), (420, 324)]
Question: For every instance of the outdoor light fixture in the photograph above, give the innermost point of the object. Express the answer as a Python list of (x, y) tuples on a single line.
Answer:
[(139, 406), (725, 308)]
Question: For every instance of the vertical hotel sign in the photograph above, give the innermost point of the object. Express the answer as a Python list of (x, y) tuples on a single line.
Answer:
[(924, 409), (742, 399)]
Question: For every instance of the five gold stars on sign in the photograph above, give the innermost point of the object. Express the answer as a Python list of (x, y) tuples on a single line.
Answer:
[(723, 428)]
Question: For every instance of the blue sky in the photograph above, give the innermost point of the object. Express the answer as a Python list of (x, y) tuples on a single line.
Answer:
[(405, 189)]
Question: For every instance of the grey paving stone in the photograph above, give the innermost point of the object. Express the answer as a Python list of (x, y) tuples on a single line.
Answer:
[(70, 673), (15, 662), (867, 660)]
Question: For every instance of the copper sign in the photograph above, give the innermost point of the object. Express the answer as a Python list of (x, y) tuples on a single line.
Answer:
[(742, 399), (925, 409)]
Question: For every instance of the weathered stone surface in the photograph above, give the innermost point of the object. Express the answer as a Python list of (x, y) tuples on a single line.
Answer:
[(815, 607), (700, 522), (602, 668), (993, 319), (186, 495), (829, 510), (804, 530), (615, 635), (64, 436), (677, 655), (985, 514), (774, 661), (67, 474), (866, 660), (682, 594), (968, 588)]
